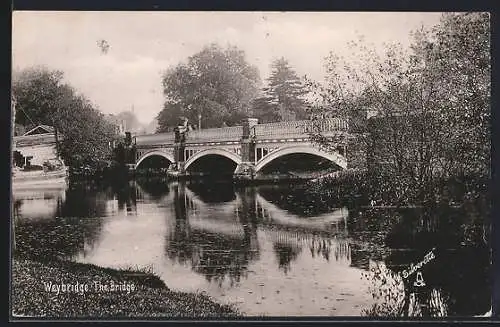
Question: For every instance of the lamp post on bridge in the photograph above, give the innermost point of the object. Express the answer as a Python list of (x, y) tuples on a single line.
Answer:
[(199, 121)]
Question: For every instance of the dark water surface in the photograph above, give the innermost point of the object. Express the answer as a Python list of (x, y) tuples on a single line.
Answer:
[(266, 249)]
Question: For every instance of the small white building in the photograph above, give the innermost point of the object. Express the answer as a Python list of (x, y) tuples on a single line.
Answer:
[(37, 145)]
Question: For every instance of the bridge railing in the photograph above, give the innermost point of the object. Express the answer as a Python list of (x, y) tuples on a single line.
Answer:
[(285, 129), (301, 127), (154, 139), (233, 133)]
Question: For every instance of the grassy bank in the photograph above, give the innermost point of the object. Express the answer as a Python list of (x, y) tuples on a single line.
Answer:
[(50, 289)]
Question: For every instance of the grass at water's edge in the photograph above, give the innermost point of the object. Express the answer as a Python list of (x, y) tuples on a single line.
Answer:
[(62, 289)]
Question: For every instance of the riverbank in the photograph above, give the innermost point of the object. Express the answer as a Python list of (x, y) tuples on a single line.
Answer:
[(378, 190), (63, 289)]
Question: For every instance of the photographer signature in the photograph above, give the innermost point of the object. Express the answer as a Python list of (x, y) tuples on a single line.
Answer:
[(413, 268)]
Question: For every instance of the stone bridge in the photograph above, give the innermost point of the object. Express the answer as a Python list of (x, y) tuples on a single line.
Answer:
[(251, 146)]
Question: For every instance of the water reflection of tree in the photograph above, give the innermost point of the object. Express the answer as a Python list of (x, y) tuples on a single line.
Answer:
[(462, 275), (286, 253), (395, 297), (76, 224), (157, 188), (215, 255), (367, 229), (126, 194), (16, 206), (218, 257), (295, 199), (458, 280)]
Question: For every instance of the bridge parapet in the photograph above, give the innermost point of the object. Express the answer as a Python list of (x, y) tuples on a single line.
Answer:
[(154, 139), (292, 128), (232, 133), (262, 131)]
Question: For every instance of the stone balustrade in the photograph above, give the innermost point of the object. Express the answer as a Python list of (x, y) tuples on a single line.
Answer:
[(154, 139), (301, 127), (260, 131), (232, 133)]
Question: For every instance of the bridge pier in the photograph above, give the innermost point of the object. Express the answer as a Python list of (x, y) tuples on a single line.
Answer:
[(176, 169), (246, 169), (244, 172)]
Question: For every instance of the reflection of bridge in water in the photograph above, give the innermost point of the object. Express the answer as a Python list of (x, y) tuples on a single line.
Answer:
[(251, 213), (218, 231), (219, 236)]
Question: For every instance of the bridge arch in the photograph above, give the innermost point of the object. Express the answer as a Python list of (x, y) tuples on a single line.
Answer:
[(163, 154), (334, 157), (221, 152)]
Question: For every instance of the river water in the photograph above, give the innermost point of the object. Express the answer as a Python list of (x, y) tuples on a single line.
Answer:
[(268, 250)]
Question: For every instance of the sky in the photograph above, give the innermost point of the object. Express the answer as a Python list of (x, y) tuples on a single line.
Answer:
[(144, 44)]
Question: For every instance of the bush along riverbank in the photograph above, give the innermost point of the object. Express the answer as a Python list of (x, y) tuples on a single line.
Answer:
[(63, 289), (380, 190)]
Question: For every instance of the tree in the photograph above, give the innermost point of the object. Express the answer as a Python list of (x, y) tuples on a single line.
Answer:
[(265, 110), (216, 83), (168, 118), (460, 49), (431, 102), (37, 91), (43, 98), (285, 91)]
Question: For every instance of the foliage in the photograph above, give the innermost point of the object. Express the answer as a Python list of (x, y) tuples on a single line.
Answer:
[(283, 97), (216, 83), (461, 52), (168, 118), (431, 103), (387, 290), (44, 98), (119, 154), (265, 111), (124, 154), (365, 188), (393, 299)]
